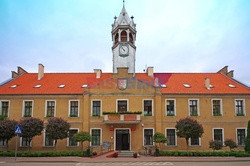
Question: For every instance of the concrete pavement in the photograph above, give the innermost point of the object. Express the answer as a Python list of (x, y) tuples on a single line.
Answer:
[(103, 158)]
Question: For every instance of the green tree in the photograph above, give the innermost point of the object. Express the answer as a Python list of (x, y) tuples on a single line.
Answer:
[(160, 139), (230, 143), (188, 128), (82, 137), (57, 128), (7, 128), (31, 127), (247, 144)]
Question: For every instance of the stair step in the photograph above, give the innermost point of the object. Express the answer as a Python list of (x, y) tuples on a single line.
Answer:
[(126, 154)]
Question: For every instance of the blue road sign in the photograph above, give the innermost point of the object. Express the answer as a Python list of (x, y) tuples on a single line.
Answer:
[(18, 130)]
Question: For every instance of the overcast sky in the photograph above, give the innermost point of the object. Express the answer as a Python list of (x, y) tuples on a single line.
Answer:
[(172, 35)]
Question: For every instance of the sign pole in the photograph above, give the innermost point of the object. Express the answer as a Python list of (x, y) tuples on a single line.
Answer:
[(16, 148)]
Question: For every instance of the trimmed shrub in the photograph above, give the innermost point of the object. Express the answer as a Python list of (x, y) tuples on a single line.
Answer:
[(215, 145), (230, 143)]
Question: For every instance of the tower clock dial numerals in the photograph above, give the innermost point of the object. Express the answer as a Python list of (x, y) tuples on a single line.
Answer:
[(124, 50)]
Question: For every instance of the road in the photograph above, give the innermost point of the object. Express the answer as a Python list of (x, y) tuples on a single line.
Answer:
[(243, 163)]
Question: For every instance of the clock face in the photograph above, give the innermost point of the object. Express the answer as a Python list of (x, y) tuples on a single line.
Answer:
[(124, 50)]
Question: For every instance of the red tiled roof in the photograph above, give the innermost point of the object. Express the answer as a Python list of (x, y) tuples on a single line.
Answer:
[(73, 83)]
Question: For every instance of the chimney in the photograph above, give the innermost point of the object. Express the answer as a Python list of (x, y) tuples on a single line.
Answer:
[(150, 71), (223, 70), (98, 73), (207, 83), (14, 74), (230, 74), (40, 71), (20, 70)]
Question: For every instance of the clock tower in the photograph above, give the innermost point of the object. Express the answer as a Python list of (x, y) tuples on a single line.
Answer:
[(123, 37)]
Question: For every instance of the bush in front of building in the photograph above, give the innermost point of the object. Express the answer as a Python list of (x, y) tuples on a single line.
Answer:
[(31, 127), (7, 128), (230, 143), (188, 128), (247, 146), (57, 128), (160, 139), (215, 145), (46, 154), (204, 154)]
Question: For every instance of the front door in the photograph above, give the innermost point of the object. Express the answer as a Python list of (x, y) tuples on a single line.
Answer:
[(122, 139)]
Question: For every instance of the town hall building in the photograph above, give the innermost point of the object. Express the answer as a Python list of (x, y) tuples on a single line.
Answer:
[(125, 108)]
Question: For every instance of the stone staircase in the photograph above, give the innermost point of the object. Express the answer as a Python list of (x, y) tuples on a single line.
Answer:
[(126, 154)]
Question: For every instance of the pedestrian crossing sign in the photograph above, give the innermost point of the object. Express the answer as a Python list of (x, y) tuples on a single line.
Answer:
[(18, 130)]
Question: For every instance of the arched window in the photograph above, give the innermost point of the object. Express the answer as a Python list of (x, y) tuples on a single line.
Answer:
[(116, 38), (131, 38), (124, 36)]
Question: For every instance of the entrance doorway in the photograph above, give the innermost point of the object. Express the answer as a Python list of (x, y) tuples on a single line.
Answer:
[(122, 139)]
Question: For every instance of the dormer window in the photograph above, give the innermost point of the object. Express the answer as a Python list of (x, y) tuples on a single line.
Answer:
[(186, 85), (38, 86), (13, 86), (61, 86), (231, 86), (84, 86)]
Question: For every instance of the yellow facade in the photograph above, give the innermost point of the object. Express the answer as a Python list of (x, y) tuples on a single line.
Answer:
[(159, 121)]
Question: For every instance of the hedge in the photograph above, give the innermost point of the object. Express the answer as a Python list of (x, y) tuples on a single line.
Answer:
[(196, 153), (45, 154)]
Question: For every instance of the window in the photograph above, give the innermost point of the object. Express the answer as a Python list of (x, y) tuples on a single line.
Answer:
[(96, 108), (4, 108), (124, 36), (193, 107), (148, 137), (24, 142), (47, 141), (147, 106), (50, 108), (217, 111), (171, 137), (122, 106), (241, 137), (239, 107), (27, 109), (170, 107), (73, 109), (72, 141), (3, 142), (194, 141), (95, 137), (218, 135)]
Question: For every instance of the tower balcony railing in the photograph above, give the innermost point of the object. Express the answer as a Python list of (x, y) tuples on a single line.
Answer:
[(122, 117)]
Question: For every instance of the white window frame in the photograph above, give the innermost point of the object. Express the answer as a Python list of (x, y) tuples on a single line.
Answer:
[(152, 106), (21, 140), (189, 143), (223, 137), (122, 100), (143, 143), (236, 136), (175, 137), (70, 107), (8, 107), (175, 112), (44, 134), (32, 110), (198, 107), (91, 109), (45, 115), (221, 107), (244, 107), (90, 142), (68, 138)]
